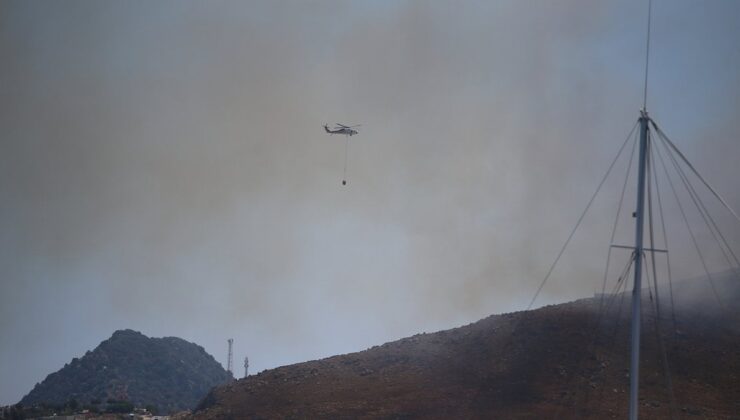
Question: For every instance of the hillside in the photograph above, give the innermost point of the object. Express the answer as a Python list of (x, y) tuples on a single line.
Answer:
[(169, 373), (560, 361)]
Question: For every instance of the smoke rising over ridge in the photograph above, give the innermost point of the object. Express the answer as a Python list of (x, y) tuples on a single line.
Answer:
[(163, 166)]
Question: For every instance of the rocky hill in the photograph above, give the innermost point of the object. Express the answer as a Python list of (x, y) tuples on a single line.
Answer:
[(562, 361), (169, 373)]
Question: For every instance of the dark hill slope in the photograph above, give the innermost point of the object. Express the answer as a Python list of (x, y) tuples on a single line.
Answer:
[(553, 362), (169, 373)]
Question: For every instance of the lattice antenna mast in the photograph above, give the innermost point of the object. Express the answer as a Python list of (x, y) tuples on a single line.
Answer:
[(246, 366), (230, 359)]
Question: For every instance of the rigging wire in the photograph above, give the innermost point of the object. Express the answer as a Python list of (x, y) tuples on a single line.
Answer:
[(344, 172), (580, 219), (665, 238), (613, 336), (707, 218), (659, 336), (650, 218), (677, 168), (653, 267), (688, 226), (665, 138), (616, 218), (601, 316)]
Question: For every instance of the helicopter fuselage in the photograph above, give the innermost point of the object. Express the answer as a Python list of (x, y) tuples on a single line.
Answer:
[(341, 130)]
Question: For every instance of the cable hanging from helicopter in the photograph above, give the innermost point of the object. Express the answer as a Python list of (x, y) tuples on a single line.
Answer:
[(348, 131)]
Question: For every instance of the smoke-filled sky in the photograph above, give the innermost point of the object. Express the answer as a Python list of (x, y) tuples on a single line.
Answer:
[(163, 165)]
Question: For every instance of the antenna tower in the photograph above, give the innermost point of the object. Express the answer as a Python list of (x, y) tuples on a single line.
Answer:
[(246, 366), (230, 360), (638, 250)]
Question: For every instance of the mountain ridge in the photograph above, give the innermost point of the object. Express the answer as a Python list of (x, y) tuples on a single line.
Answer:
[(557, 361)]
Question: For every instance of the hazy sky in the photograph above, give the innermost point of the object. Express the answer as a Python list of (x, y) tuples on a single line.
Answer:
[(163, 166)]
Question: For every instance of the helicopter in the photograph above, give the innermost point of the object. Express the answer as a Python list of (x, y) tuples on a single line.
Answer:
[(348, 131), (342, 129)]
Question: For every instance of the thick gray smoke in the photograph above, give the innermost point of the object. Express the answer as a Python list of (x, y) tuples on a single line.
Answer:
[(163, 165)]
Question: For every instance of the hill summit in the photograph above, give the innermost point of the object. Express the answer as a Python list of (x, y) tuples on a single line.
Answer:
[(169, 373)]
